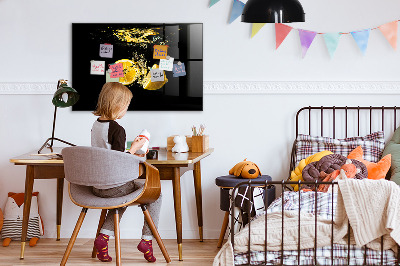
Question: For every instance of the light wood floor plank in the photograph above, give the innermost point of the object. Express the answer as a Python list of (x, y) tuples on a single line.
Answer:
[(49, 252)]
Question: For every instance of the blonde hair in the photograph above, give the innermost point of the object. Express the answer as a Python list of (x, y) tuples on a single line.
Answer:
[(112, 99)]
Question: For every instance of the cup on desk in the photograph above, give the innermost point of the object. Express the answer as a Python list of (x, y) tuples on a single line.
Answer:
[(152, 155)]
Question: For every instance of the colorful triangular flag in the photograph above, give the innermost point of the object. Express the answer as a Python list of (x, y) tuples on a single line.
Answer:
[(237, 9), (281, 31), (306, 39), (361, 37), (389, 30), (332, 41), (256, 28), (213, 2)]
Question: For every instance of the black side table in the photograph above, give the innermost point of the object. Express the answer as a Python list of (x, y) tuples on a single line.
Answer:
[(226, 183)]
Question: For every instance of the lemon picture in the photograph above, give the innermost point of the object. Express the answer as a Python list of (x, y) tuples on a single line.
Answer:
[(130, 71)]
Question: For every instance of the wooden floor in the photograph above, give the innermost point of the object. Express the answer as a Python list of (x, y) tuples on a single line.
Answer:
[(50, 252)]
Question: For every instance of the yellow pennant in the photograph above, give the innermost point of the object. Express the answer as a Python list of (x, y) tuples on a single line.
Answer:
[(256, 28)]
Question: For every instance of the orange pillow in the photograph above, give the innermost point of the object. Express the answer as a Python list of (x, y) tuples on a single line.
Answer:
[(375, 170)]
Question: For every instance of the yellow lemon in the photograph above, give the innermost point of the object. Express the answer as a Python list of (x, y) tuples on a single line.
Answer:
[(130, 71), (152, 86)]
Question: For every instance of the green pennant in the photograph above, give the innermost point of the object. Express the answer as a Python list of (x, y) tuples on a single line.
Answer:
[(213, 2)]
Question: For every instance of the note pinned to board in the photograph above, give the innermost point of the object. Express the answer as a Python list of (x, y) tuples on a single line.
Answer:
[(157, 75), (110, 79), (179, 70), (167, 64), (97, 67), (160, 51), (117, 70), (106, 50)]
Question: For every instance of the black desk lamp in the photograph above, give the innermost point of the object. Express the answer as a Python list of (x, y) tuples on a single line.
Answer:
[(64, 97), (273, 11)]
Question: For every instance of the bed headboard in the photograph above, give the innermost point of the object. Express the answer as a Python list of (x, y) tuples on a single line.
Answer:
[(344, 121)]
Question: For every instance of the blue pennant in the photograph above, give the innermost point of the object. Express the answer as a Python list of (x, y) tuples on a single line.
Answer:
[(361, 38), (237, 9)]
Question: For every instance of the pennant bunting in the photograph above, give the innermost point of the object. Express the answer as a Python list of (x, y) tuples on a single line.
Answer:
[(389, 30), (332, 41), (281, 31), (306, 39), (237, 9), (213, 2), (256, 28), (361, 38)]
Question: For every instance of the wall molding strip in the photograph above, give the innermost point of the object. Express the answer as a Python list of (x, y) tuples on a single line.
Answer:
[(244, 87)]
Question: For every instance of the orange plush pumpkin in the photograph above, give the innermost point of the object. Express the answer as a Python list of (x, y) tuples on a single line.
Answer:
[(375, 170), (245, 169)]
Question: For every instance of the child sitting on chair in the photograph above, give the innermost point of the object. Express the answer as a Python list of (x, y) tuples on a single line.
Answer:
[(113, 103)]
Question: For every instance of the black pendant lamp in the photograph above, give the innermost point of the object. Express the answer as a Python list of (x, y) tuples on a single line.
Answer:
[(273, 11)]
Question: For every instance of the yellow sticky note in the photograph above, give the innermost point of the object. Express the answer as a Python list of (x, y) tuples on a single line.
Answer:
[(160, 51)]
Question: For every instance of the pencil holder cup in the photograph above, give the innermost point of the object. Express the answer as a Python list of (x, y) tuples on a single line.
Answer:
[(200, 143)]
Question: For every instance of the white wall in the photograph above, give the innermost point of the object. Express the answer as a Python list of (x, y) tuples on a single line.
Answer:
[(36, 47)]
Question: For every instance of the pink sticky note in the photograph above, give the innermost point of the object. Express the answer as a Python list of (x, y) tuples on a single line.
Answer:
[(117, 70)]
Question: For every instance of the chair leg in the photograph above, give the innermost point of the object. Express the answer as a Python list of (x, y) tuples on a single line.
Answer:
[(73, 237), (101, 222), (223, 229), (154, 230), (117, 238)]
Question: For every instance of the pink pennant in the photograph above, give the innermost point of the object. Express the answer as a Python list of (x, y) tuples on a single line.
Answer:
[(281, 31), (389, 30), (306, 39)]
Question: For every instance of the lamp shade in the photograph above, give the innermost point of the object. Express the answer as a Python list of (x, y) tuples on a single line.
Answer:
[(273, 11), (65, 96)]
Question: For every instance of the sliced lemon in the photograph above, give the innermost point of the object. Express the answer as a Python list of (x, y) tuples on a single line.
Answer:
[(130, 71), (152, 86)]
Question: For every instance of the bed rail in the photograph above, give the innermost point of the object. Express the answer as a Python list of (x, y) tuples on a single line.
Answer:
[(265, 185), (343, 119)]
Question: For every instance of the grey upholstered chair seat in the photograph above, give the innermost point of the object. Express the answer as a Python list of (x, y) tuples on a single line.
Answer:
[(83, 196)]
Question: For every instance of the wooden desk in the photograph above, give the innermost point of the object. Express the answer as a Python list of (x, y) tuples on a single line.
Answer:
[(171, 167)]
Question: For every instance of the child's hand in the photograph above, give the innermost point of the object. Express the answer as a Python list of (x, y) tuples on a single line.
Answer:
[(137, 144), (143, 155)]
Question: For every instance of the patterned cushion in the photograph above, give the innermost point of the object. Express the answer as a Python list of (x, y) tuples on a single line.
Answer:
[(372, 144)]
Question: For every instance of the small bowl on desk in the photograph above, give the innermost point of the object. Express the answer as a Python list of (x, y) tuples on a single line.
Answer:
[(152, 155)]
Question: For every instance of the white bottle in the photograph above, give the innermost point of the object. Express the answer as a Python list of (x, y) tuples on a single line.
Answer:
[(144, 134)]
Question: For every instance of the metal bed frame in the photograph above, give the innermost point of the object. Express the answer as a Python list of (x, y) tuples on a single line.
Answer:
[(284, 184)]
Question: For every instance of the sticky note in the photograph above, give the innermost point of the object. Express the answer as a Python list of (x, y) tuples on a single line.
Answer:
[(97, 67), (179, 70), (117, 70), (160, 51), (106, 50), (167, 64), (157, 75), (110, 79)]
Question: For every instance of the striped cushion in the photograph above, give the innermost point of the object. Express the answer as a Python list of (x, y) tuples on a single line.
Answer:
[(372, 145), (13, 228)]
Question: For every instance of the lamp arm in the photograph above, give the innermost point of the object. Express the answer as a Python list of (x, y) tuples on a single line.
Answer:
[(54, 126)]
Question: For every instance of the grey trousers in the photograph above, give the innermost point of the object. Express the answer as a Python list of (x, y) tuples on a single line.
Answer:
[(153, 208)]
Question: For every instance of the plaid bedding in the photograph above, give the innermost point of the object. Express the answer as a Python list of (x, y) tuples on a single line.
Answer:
[(322, 207), (372, 145)]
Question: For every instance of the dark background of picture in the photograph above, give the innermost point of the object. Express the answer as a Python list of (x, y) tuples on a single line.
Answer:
[(185, 42)]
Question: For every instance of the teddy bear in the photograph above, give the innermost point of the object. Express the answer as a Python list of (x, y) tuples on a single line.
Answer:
[(13, 215), (245, 169), (180, 144)]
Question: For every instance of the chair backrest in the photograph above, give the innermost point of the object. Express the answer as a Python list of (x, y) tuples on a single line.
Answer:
[(91, 166)]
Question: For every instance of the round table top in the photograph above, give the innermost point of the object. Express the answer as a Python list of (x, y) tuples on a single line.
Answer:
[(230, 181)]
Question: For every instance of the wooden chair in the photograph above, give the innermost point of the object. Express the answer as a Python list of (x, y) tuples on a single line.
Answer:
[(85, 167)]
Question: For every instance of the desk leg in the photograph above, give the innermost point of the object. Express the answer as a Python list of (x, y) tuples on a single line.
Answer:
[(60, 190), (27, 206), (199, 204), (176, 182)]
